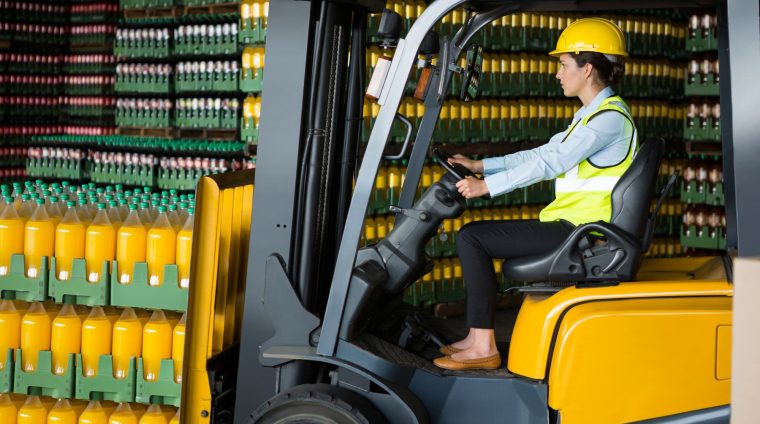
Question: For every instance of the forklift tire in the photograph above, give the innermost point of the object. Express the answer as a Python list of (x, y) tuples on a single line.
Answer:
[(317, 404)]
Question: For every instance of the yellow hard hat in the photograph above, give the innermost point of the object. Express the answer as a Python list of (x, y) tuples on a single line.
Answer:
[(591, 35)]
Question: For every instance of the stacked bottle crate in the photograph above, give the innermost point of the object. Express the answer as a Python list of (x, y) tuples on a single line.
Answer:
[(134, 161), (88, 69), (704, 220), (94, 285), (61, 82), (520, 106), (177, 81), (32, 42), (252, 37)]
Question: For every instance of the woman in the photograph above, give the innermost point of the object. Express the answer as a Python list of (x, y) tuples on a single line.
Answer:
[(587, 159)]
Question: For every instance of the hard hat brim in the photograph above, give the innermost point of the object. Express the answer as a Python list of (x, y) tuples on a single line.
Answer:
[(557, 53)]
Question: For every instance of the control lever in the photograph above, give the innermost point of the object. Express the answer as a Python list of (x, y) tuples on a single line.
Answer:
[(413, 327), (423, 216)]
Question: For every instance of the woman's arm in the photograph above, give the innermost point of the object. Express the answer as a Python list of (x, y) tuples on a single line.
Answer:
[(501, 163), (555, 158)]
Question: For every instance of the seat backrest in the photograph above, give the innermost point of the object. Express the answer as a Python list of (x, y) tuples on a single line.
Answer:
[(632, 195)]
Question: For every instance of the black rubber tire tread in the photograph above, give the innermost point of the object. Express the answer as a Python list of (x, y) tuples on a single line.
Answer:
[(350, 407)]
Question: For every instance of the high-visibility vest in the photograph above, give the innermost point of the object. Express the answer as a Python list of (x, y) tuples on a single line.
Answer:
[(584, 193)]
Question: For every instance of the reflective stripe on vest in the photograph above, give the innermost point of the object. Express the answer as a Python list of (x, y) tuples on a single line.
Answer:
[(583, 194)]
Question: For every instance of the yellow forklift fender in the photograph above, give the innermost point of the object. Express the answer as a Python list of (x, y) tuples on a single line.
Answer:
[(630, 352)]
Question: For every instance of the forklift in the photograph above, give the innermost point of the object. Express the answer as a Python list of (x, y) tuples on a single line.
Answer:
[(290, 321)]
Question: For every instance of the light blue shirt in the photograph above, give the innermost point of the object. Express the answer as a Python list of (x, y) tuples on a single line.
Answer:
[(605, 141)]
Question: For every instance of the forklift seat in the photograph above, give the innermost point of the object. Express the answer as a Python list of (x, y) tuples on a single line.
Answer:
[(601, 251)]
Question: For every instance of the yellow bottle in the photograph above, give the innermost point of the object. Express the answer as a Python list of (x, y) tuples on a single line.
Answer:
[(65, 338), (184, 250), (96, 340), (34, 410), (54, 212), (65, 412), (161, 248), (130, 244), (156, 344), (69, 241), (175, 418), (126, 342), (95, 413), (9, 406), (394, 184), (12, 236), (39, 239), (124, 414), (154, 415), (35, 335), (178, 347), (10, 329), (100, 244)]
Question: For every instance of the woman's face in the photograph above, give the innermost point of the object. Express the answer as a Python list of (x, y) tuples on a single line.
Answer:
[(571, 77)]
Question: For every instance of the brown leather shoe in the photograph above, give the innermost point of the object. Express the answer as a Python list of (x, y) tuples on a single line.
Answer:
[(449, 350), (488, 363)]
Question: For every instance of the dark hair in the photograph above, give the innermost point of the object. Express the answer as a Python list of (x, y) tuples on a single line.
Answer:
[(609, 72)]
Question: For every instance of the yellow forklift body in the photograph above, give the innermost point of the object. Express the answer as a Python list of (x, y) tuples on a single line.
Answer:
[(634, 351)]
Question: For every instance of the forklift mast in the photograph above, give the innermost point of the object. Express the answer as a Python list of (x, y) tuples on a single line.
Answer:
[(308, 214)]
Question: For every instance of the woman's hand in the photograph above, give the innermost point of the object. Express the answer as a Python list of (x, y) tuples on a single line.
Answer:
[(472, 165), (472, 187)]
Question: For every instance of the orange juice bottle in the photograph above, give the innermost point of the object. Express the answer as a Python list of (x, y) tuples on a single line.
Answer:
[(145, 217), (9, 406), (25, 207), (114, 215), (35, 335), (100, 244), (69, 241), (130, 244), (154, 415), (178, 347), (39, 239), (171, 213), (126, 342), (96, 340), (10, 329), (65, 412), (11, 234), (34, 410), (161, 247), (95, 413), (156, 344), (54, 212), (65, 338), (184, 250), (123, 414)]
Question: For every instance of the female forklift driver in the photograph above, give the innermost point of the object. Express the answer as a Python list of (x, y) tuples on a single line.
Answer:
[(587, 160)]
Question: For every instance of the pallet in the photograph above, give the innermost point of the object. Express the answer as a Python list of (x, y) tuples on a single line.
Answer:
[(714, 148), (158, 12), (147, 132), (212, 9), (175, 12), (92, 47), (208, 133)]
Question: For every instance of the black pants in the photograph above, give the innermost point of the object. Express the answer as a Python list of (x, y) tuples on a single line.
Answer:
[(478, 243)]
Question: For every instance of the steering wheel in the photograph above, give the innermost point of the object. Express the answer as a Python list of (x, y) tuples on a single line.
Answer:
[(457, 170)]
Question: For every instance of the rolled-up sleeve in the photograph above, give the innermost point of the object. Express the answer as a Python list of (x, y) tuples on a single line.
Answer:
[(554, 158)]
